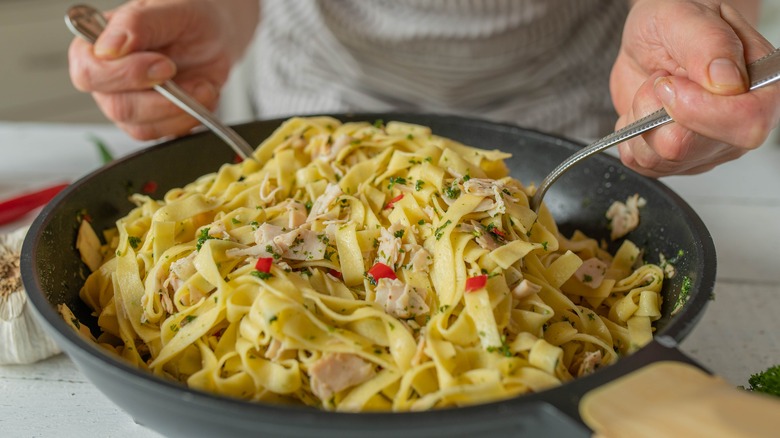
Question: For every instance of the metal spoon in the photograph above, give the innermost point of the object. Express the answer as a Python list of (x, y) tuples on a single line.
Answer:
[(88, 23), (761, 73)]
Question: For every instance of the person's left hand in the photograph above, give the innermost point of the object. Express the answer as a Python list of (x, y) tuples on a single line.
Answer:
[(690, 57)]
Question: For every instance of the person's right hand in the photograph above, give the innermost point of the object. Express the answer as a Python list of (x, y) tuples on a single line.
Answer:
[(148, 42)]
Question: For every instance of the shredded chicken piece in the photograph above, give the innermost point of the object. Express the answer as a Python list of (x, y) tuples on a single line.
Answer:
[(328, 152), (389, 249), (483, 238), (419, 258), (218, 230), (336, 372), (267, 193), (669, 270), (494, 193), (264, 239), (321, 205), (624, 218), (399, 299), (586, 363), (276, 351), (179, 271), (592, 272), (297, 215), (525, 289), (429, 211), (300, 244)]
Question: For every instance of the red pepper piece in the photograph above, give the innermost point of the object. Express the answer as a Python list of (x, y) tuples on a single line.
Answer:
[(16, 207), (393, 201), (149, 188), (264, 264), (476, 283), (334, 273), (381, 270)]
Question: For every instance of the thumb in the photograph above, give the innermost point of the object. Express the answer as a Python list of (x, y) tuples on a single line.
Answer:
[(137, 26), (710, 50)]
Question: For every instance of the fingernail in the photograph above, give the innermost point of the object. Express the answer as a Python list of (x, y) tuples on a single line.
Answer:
[(664, 91), (160, 71), (725, 74), (111, 45)]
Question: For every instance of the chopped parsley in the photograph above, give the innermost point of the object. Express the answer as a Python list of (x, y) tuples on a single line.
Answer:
[(684, 295), (134, 241), (399, 234), (421, 222), (262, 275), (419, 185), (396, 180), (235, 221), (452, 191), (440, 231), (203, 237)]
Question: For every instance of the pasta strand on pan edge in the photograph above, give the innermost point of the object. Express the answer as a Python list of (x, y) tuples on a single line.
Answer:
[(361, 267)]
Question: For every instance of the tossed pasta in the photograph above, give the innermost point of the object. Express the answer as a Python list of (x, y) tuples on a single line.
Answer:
[(359, 267)]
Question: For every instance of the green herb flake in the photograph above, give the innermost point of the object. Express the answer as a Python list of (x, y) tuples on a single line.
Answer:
[(203, 237), (396, 180), (440, 231), (134, 241), (262, 275), (419, 185)]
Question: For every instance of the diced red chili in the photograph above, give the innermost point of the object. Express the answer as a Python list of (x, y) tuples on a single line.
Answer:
[(334, 273), (476, 283), (16, 207), (149, 188), (264, 264), (393, 201), (381, 270)]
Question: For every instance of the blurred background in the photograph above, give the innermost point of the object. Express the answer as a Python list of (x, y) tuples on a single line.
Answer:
[(34, 71)]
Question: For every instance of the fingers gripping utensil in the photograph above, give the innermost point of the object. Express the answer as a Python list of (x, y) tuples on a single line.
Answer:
[(88, 23), (762, 72)]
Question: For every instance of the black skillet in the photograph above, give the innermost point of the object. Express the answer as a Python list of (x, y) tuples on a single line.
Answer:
[(53, 273)]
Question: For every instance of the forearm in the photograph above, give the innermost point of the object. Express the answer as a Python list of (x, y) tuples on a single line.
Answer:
[(748, 8)]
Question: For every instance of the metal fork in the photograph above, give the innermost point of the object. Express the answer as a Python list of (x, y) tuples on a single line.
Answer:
[(88, 23), (762, 72)]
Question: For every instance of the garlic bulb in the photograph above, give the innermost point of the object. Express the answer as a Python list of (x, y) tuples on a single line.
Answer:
[(22, 340)]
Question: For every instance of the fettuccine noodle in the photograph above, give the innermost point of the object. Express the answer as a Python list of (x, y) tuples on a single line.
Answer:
[(359, 267)]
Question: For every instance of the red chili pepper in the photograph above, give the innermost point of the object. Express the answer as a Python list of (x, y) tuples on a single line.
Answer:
[(498, 232), (264, 264), (334, 273), (16, 207), (476, 283), (381, 270), (149, 188), (393, 201), (237, 159)]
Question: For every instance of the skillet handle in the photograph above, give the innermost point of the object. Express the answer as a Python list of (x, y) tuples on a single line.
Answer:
[(677, 398)]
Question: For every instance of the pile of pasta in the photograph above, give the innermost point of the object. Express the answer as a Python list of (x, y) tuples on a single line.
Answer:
[(361, 267)]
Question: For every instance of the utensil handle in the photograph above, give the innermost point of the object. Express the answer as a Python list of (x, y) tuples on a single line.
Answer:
[(676, 399), (762, 72)]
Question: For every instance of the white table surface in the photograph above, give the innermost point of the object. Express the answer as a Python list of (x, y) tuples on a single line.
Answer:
[(739, 334)]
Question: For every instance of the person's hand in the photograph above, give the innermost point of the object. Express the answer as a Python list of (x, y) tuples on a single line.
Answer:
[(690, 57), (194, 42)]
